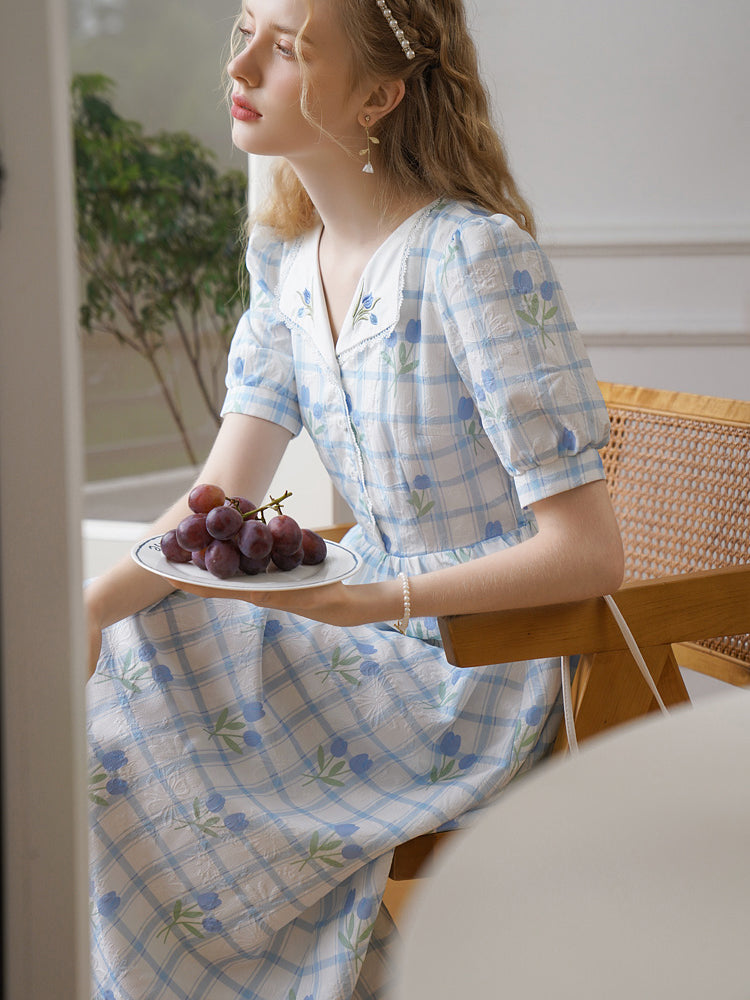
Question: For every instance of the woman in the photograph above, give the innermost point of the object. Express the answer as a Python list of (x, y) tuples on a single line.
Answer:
[(257, 756)]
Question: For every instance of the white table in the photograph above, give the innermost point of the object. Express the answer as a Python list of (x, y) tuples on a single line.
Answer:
[(622, 874)]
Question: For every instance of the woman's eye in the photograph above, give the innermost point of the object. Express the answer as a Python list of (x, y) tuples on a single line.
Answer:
[(247, 33), (286, 50)]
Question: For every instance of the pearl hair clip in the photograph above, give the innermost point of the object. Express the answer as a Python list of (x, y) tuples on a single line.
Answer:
[(403, 40)]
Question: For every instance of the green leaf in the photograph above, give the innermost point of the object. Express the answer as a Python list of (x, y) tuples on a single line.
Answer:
[(223, 716), (321, 758), (233, 744), (526, 318), (331, 845), (364, 934), (332, 863), (550, 313), (333, 782)]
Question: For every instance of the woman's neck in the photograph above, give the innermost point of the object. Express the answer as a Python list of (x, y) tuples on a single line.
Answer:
[(349, 202)]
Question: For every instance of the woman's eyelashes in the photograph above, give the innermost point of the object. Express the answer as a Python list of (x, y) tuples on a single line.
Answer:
[(284, 48)]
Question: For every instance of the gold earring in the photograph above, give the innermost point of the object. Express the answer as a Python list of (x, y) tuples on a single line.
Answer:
[(368, 167)]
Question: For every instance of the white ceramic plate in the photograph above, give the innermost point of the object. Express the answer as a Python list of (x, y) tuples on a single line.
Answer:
[(338, 564)]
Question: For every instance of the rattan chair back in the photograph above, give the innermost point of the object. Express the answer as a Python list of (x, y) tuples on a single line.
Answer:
[(678, 470)]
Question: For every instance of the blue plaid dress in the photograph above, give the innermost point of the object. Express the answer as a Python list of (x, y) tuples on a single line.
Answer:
[(251, 771)]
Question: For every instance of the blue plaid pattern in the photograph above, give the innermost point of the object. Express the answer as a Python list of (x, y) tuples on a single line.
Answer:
[(251, 772)]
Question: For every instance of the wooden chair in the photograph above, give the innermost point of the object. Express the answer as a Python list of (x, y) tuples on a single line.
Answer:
[(678, 471)]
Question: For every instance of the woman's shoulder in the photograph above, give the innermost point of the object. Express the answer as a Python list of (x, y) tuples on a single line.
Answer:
[(266, 256), (477, 228)]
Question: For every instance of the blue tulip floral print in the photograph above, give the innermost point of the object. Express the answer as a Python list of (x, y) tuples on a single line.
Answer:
[(358, 922), (332, 766), (227, 730), (364, 309), (105, 779), (325, 848), (342, 662), (404, 360), (197, 919), (448, 746), (315, 423), (306, 307), (472, 425), (202, 823), (526, 732), (523, 284), (418, 497), (129, 673)]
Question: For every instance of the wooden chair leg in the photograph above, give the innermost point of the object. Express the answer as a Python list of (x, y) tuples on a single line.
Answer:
[(608, 689)]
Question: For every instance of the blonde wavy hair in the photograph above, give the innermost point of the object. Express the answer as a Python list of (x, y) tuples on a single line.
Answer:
[(439, 141)]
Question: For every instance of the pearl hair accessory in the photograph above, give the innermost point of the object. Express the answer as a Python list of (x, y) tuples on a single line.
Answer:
[(403, 40)]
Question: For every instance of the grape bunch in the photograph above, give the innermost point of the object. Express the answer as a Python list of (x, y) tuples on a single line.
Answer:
[(230, 535)]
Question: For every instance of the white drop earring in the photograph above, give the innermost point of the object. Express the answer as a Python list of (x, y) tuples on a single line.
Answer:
[(368, 167)]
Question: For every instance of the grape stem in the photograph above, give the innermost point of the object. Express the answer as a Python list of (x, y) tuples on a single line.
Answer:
[(274, 503)]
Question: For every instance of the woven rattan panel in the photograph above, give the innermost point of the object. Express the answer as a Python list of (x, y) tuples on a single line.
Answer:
[(680, 488)]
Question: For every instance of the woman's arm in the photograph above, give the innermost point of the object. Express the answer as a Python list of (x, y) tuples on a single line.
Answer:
[(242, 461), (577, 553)]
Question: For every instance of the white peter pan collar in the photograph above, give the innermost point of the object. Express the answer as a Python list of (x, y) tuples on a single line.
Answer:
[(375, 307)]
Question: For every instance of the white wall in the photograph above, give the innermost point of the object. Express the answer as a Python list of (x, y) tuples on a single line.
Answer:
[(628, 126)]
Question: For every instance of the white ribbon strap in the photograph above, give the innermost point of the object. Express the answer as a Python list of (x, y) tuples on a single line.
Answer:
[(570, 729)]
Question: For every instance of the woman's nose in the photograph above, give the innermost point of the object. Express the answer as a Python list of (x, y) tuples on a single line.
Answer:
[(244, 65)]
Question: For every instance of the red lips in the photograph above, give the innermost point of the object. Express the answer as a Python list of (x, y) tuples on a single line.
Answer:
[(243, 111)]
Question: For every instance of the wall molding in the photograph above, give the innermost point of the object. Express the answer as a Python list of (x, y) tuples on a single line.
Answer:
[(639, 241), (665, 338)]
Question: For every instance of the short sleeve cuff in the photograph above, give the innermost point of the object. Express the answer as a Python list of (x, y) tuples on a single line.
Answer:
[(266, 403), (561, 474)]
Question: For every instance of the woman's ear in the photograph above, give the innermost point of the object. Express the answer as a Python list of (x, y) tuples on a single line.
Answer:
[(383, 99)]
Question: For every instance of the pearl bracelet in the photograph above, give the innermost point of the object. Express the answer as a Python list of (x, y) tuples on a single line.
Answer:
[(403, 622)]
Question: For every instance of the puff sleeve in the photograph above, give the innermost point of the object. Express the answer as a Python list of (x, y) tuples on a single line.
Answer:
[(260, 370), (517, 349)]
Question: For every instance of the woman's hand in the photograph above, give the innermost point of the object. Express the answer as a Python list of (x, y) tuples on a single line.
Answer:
[(335, 603)]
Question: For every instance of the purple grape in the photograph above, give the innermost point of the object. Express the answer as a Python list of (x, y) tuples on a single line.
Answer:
[(287, 562), (286, 533), (172, 549), (253, 566), (192, 533), (314, 547), (223, 522), (222, 559), (199, 559), (255, 539), (204, 497), (243, 505)]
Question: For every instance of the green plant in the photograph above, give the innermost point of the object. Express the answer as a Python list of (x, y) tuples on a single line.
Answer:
[(159, 231)]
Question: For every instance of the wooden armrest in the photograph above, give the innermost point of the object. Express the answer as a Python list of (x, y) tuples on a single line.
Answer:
[(670, 609)]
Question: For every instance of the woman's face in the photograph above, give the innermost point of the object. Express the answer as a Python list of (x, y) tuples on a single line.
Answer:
[(267, 118)]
